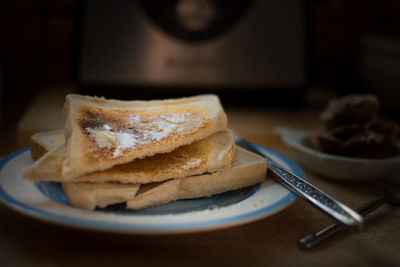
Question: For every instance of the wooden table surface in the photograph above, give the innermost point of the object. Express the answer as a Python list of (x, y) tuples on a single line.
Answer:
[(269, 242)]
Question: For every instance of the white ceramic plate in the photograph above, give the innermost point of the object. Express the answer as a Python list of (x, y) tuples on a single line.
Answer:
[(333, 166), (46, 201)]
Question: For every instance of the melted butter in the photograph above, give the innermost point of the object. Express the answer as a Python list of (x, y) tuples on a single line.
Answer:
[(116, 134)]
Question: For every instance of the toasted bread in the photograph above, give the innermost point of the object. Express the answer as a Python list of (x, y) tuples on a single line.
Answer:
[(247, 169), (103, 133), (89, 196), (42, 142), (144, 153), (206, 155)]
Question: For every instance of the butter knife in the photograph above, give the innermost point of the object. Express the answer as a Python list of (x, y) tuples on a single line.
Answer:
[(305, 190)]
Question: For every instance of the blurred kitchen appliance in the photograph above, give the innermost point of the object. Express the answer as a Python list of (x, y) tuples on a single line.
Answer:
[(185, 44), (380, 65)]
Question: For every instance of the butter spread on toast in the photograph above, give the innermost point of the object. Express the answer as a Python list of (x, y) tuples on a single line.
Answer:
[(110, 135)]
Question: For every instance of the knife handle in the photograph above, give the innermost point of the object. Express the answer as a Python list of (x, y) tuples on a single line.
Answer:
[(311, 240), (316, 197)]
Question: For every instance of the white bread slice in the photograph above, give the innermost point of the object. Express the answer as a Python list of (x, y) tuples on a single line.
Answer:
[(103, 133), (88, 196), (160, 193), (42, 142), (208, 155), (247, 169)]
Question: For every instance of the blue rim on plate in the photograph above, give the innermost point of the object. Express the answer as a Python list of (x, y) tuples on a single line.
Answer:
[(169, 226)]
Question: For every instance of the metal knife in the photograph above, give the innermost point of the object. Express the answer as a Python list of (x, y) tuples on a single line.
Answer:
[(305, 190)]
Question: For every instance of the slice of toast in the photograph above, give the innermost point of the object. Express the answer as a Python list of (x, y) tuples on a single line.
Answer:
[(89, 196), (204, 156), (207, 155), (247, 169), (42, 142), (103, 133)]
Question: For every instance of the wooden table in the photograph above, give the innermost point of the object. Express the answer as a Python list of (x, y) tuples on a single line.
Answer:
[(269, 242)]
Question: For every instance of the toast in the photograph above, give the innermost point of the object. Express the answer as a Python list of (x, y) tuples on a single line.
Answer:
[(42, 142), (89, 196), (103, 133), (247, 169), (142, 153), (207, 155), (204, 156)]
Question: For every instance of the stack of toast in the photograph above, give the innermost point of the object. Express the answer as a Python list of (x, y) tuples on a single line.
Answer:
[(142, 153)]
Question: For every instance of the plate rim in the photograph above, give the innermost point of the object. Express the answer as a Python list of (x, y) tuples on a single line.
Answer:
[(132, 228)]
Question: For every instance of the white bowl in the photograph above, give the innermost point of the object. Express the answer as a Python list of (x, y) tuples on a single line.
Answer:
[(333, 166)]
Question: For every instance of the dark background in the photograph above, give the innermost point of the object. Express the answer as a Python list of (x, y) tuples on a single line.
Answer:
[(37, 48)]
